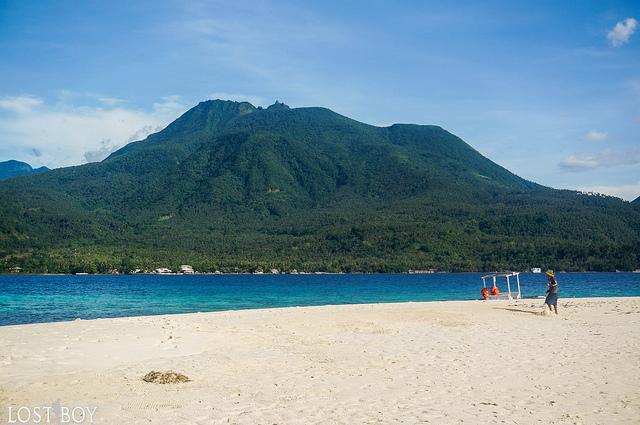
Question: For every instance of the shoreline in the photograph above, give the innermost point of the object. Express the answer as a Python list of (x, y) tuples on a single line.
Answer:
[(169, 315), (267, 309), (301, 273), (439, 362)]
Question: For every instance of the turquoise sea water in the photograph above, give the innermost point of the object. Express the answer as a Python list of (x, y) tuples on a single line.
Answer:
[(33, 299)]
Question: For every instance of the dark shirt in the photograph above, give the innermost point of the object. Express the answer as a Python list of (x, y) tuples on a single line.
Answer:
[(552, 286)]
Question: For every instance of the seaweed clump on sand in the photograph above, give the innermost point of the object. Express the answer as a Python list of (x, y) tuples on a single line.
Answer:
[(168, 377)]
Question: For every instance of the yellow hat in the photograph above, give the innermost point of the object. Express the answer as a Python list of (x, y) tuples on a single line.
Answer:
[(550, 273)]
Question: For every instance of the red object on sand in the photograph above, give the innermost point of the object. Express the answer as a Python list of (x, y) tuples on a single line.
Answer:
[(485, 293)]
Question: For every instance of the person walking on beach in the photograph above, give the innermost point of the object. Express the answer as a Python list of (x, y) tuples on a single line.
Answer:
[(552, 292)]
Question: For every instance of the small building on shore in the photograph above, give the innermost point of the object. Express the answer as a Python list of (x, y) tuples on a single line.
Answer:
[(163, 270), (428, 271), (186, 269)]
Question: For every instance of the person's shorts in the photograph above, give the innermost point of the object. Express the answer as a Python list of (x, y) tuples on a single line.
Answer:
[(552, 299)]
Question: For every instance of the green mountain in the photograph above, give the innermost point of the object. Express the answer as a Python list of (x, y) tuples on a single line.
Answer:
[(233, 187), (14, 168)]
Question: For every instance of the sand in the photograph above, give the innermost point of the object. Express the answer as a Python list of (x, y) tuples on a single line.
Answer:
[(442, 362)]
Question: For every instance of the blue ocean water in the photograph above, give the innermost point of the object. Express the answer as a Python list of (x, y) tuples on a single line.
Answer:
[(34, 299)]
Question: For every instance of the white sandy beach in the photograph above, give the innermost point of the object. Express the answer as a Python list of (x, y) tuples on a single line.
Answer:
[(442, 362)]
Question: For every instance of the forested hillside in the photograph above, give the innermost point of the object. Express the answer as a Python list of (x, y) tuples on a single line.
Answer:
[(232, 187)]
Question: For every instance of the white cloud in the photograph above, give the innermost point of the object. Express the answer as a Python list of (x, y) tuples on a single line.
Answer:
[(143, 132), (20, 104), (169, 105), (58, 134), (596, 136), (621, 33), (580, 161), (625, 191), (111, 101), (96, 155)]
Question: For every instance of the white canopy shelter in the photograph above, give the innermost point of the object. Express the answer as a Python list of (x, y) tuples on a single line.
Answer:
[(509, 277)]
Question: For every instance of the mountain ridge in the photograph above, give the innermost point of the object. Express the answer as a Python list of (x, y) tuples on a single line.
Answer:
[(13, 168), (231, 186)]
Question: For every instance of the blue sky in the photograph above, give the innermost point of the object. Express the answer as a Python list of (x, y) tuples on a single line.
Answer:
[(550, 90)]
